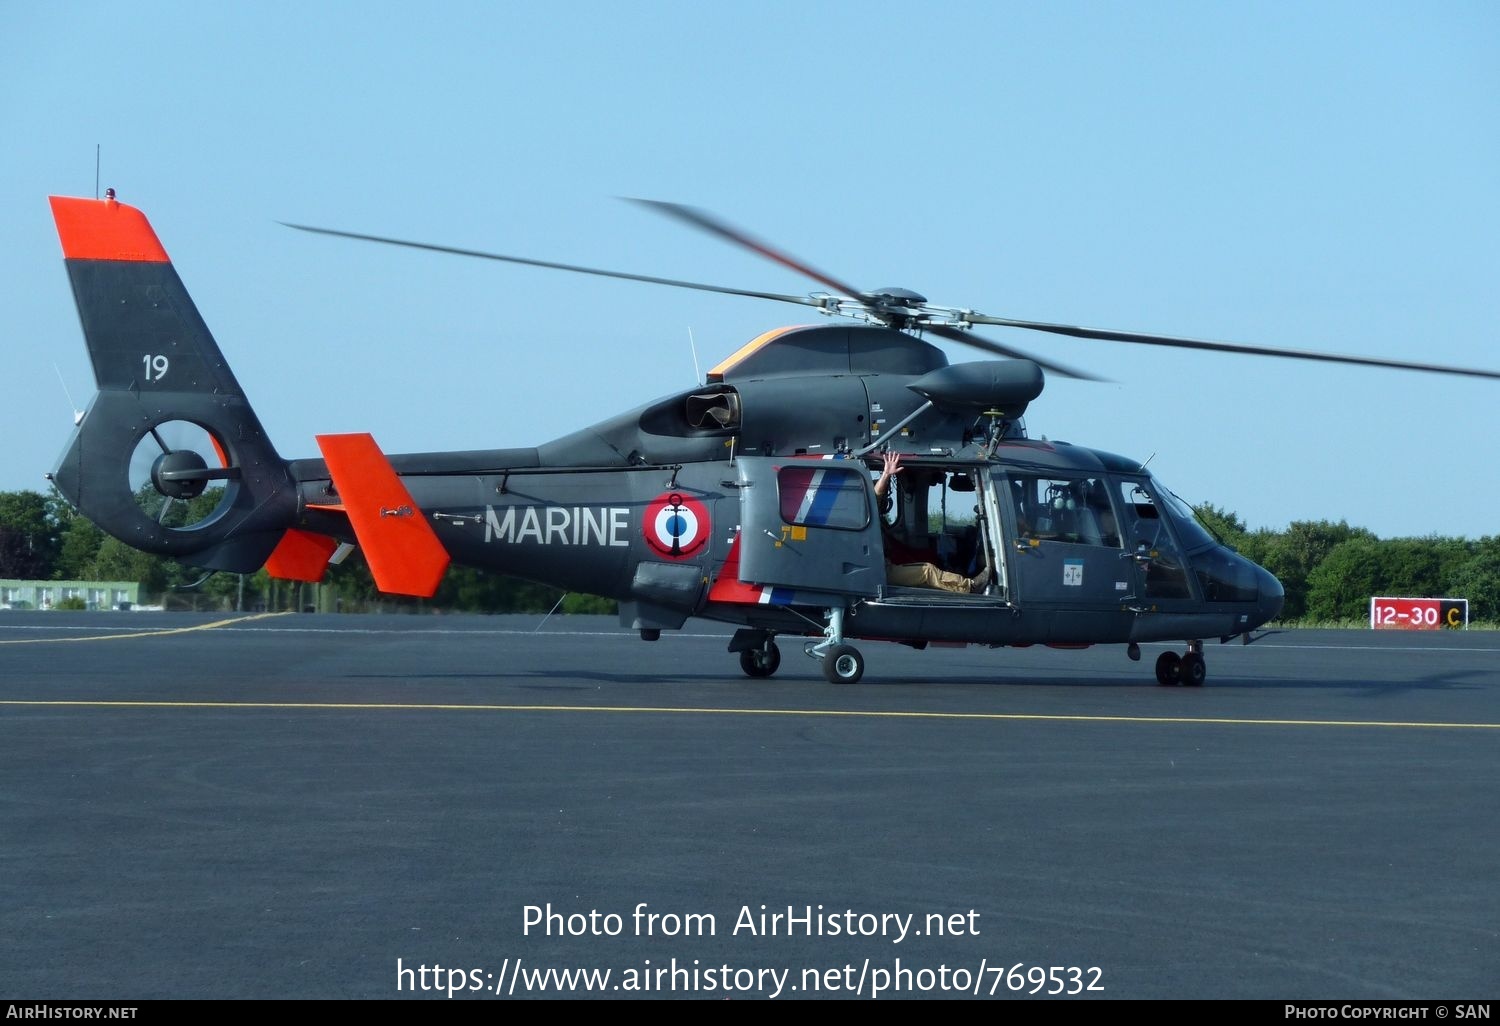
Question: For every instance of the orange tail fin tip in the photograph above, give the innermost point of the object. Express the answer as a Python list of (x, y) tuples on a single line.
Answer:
[(105, 230)]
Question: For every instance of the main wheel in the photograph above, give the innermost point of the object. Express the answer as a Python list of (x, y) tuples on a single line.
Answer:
[(760, 662), (842, 664), (1192, 670), (1168, 668)]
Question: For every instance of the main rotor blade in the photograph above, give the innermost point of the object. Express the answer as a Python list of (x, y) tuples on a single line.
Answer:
[(779, 297), (959, 335), (712, 225), (1227, 347)]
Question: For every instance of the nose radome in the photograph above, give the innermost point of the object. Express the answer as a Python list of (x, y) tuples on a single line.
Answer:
[(1271, 597)]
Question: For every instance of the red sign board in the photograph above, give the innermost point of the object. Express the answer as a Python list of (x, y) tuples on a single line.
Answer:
[(1418, 614)]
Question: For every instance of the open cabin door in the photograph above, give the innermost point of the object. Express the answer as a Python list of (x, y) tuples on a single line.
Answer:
[(811, 525)]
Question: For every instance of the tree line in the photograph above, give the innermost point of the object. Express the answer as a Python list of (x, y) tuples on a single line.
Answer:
[(43, 538), (1330, 570)]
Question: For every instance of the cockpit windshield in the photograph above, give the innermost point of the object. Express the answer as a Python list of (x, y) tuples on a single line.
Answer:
[(1195, 537)]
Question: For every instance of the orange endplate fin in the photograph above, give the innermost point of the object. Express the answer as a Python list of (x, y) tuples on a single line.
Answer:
[(404, 554), (301, 556)]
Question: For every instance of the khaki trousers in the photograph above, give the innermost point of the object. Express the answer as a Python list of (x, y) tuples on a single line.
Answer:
[(925, 575)]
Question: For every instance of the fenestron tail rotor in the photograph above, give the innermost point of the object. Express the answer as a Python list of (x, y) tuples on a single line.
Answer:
[(178, 472)]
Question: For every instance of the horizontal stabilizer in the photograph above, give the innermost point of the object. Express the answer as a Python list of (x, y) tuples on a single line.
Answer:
[(404, 554)]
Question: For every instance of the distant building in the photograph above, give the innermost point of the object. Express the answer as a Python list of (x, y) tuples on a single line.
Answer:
[(47, 594)]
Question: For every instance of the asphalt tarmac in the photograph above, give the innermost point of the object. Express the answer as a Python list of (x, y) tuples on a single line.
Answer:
[(399, 807)]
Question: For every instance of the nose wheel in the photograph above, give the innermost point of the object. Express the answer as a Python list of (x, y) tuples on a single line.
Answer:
[(1188, 669)]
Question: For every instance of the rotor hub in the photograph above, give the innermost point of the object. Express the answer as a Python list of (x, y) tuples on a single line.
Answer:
[(168, 466)]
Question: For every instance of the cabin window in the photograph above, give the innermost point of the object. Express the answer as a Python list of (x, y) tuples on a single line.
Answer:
[(1072, 510), (824, 496)]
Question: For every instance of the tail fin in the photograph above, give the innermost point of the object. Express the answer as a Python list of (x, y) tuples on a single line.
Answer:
[(156, 363)]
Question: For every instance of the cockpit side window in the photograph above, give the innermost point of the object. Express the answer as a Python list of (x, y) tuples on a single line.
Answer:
[(1195, 537), (1141, 506), (1072, 510), (1153, 501), (1151, 538)]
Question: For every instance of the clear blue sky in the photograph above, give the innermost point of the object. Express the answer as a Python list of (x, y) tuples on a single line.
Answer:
[(1317, 176)]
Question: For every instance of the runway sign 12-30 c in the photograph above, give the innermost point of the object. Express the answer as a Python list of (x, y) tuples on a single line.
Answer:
[(1418, 614)]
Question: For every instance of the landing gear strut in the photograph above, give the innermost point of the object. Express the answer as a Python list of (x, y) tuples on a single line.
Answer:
[(1187, 669), (842, 663)]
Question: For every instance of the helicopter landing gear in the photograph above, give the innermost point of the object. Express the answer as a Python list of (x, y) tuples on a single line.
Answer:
[(761, 662), (1188, 669), (842, 663)]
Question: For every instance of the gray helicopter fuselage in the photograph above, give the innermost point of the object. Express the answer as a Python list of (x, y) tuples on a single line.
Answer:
[(729, 539), (748, 500)]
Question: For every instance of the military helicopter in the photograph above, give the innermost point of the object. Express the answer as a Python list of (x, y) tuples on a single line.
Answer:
[(750, 500)]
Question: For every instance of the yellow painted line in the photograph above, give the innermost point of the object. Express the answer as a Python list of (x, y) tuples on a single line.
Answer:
[(146, 634), (674, 710)]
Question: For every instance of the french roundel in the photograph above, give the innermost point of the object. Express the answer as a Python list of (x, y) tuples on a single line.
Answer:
[(676, 525)]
